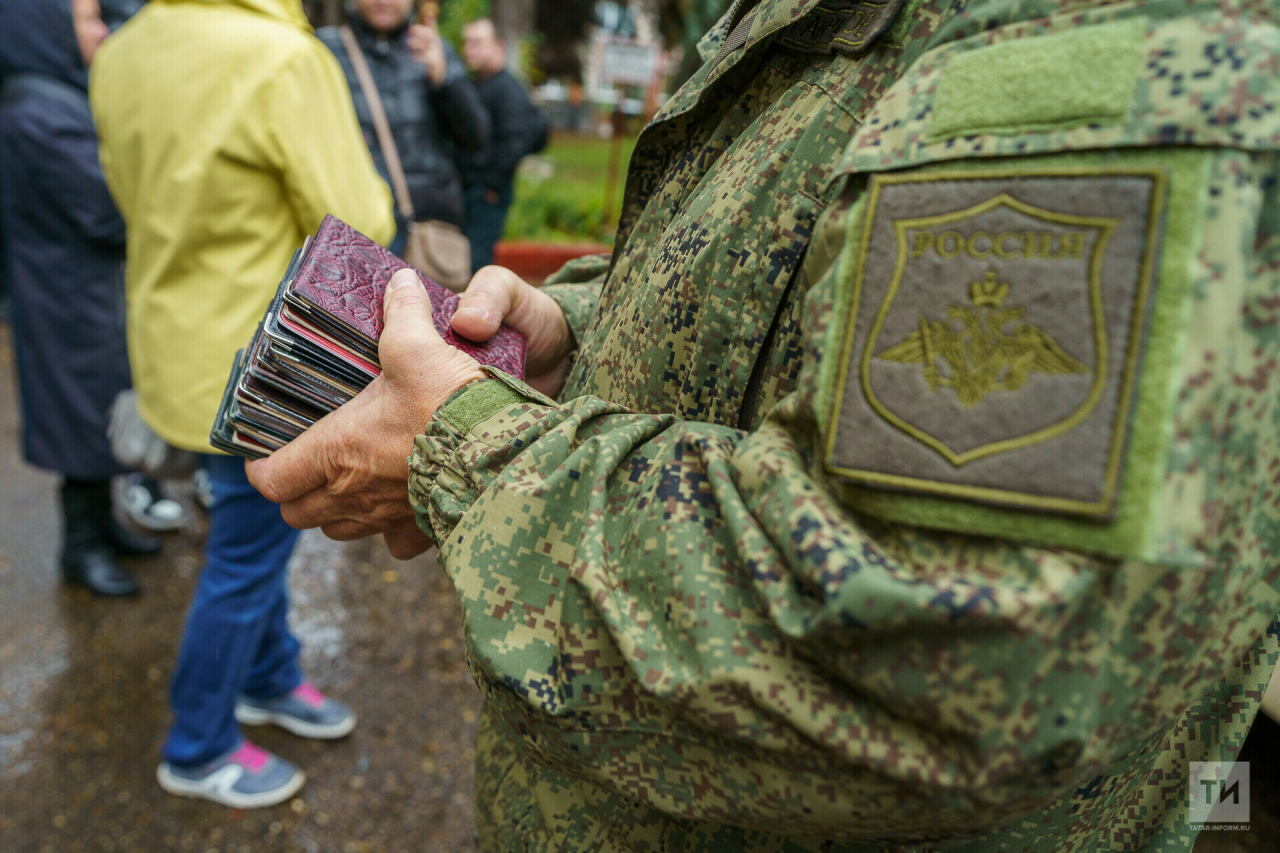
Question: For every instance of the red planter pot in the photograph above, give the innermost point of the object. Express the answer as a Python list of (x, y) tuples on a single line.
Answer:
[(535, 261)]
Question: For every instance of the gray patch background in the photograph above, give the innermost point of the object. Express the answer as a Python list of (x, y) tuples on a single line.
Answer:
[(1054, 294)]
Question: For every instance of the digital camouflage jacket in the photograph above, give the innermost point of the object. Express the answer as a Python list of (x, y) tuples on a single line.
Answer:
[(914, 485)]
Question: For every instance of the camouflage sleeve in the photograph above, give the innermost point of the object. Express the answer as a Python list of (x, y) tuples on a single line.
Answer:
[(694, 616), (586, 269), (683, 606), (576, 288)]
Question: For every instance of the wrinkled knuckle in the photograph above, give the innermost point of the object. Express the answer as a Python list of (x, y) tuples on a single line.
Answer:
[(349, 484), (264, 480), (495, 283), (355, 496), (344, 454), (293, 517)]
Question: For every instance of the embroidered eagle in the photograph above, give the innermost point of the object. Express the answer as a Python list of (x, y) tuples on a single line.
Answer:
[(981, 356)]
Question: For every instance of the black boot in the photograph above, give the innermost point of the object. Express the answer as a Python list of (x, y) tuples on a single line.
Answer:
[(126, 542), (86, 556)]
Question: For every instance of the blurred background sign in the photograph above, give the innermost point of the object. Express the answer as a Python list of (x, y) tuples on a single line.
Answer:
[(629, 63)]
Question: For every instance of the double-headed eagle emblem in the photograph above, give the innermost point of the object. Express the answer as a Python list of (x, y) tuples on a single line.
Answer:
[(980, 355)]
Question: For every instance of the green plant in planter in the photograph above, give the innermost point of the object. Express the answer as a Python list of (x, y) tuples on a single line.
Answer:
[(555, 211), (559, 196)]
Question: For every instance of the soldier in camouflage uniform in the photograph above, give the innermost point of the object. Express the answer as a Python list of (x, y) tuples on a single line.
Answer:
[(914, 479)]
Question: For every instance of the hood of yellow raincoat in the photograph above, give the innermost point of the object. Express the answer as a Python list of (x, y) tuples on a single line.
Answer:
[(281, 10)]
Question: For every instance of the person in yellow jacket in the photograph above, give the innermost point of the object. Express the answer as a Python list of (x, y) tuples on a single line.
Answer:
[(226, 133)]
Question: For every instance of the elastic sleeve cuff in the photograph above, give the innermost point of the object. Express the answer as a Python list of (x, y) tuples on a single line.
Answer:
[(451, 464), (587, 269), (476, 402)]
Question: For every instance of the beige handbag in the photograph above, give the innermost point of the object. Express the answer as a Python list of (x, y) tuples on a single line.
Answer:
[(436, 248)]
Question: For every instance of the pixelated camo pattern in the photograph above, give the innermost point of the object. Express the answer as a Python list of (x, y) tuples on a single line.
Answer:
[(686, 642)]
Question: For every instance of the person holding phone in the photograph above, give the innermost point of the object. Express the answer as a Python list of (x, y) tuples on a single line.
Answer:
[(430, 104), (519, 129)]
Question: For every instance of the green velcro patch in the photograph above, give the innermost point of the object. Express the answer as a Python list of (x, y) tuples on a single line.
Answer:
[(1083, 76), (996, 336), (480, 400)]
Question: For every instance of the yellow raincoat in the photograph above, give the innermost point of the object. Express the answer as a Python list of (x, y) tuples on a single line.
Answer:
[(227, 133)]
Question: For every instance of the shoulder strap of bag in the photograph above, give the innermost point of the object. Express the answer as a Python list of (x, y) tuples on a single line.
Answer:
[(380, 124)]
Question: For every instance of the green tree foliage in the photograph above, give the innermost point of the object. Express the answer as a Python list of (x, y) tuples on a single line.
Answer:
[(455, 14)]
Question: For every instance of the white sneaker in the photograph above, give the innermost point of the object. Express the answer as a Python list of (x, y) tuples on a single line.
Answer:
[(247, 777), (204, 488), (148, 509)]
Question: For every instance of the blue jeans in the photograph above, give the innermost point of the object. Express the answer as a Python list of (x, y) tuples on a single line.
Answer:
[(483, 223), (237, 639)]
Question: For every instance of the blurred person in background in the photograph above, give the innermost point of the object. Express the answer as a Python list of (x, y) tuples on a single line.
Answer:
[(4, 262), (517, 129), (65, 248), (431, 106), (226, 135), (116, 12)]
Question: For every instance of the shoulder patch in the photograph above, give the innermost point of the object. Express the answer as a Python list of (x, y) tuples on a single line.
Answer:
[(996, 335), (841, 26)]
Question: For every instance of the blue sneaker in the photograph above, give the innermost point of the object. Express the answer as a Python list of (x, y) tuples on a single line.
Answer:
[(247, 777), (304, 710)]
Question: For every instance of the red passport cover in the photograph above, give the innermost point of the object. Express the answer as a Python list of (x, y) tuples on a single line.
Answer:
[(344, 274)]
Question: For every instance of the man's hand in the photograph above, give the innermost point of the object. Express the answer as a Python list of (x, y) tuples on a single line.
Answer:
[(426, 46), (347, 474), (496, 295)]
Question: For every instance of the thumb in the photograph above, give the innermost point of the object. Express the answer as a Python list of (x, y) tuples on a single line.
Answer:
[(406, 320), (290, 472), (485, 303)]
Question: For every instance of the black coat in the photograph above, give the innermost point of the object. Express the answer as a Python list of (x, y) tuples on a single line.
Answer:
[(517, 127), (430, 124), (64, 244)]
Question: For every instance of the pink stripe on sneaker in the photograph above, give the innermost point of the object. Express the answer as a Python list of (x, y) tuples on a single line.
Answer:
[(251, 757), (307, 692)]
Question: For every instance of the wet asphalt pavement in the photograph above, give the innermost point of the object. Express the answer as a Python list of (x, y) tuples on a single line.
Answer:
[(84, 680)]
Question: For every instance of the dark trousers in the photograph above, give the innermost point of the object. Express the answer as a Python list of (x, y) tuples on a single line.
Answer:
[(237, 639), (483, 223)]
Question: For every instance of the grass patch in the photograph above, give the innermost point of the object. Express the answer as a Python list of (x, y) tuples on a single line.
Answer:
[(559, 196)]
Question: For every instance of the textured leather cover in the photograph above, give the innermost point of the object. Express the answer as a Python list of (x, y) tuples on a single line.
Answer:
[(344, 275)]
